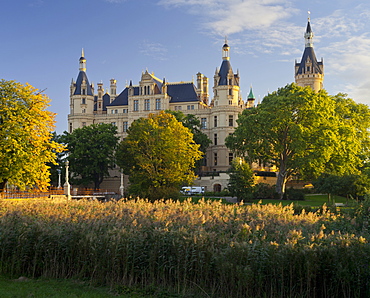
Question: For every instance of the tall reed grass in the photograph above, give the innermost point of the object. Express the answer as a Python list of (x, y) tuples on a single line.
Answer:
[(207, 249)]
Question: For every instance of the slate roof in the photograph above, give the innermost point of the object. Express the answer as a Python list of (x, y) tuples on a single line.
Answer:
[(122, 98), (82, 76), (182, 92), (224, 70), (308, 29), (316, 65), (106, 102)]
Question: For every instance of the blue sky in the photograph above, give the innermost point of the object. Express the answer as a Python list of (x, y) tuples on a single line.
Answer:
[(41, 42)]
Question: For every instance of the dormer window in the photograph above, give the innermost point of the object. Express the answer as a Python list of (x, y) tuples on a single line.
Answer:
[(83, 91)]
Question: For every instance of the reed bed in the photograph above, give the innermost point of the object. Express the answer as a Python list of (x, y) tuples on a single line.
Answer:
[(208, 249)]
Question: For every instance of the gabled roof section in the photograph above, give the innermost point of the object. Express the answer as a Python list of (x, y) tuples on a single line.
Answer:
[(121, 99), (309, 55), (82, 77), (182, 92), (106, 102), (224, 70)]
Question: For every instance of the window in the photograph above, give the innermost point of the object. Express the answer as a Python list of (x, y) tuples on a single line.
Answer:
[(125, 126), (99, 105), (230, 91), (70, 127), (113, 123), (215, 159), (215, 121), (83, 111), (83, 100), (136, 105), (83, 91), (203, 123), (192, 107), (83, 124), (146, 104), (231, 120), (188, 107), (115, 111), (231, 157), (215, 139), (111, 111), (125, 111), (158, 104)]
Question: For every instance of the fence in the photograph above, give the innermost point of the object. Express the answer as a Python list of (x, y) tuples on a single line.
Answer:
[(34, 194)]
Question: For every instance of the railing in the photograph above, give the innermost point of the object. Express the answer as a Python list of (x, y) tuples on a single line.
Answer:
[(34, 194)]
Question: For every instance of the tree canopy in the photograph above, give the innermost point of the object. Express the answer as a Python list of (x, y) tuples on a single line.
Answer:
[(303, 133), (91, 153), (159, 154), (193, 123), (25, 136), (241, 180)]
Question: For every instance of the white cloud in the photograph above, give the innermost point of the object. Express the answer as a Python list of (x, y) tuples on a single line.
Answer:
[(225, 17), (153, 49), (350, 63)]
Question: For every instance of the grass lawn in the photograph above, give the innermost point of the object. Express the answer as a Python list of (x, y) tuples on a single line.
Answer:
[(42, 288), (313, 200)]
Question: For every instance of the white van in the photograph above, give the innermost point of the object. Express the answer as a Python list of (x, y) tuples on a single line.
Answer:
[(192, 190)]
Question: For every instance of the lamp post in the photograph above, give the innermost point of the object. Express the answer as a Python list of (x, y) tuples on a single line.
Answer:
[(122, 188), (59, 179), (67, 187)]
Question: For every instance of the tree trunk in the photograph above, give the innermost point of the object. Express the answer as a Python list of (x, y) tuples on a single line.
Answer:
[(2, 187), (281, 179)]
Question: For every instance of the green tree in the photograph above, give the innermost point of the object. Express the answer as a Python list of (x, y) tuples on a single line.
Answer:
[(159, 154), (193, 123), (303, 133), (350, 186), (91, 153), (241, 180), (25, 136), (58, 165)]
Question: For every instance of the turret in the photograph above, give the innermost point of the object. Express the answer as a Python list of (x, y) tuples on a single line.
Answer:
[(113, 89), (251, 99), (226, 83), (309, 72)]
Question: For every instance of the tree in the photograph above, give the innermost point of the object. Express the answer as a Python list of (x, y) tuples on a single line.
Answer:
[(91, 153), (354, 186), (303, 133), (192, 122), (58, 165), (159, 154), (25, 136), (241, 180)]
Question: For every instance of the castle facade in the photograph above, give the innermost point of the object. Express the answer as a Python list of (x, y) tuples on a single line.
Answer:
[(217, 113)]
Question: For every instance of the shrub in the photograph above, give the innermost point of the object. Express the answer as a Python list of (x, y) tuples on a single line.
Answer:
[(264, 191)]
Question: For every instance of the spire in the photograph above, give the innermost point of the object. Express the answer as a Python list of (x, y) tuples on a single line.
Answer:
[(225, 51), (308, 34), (82, 61), (251, 95)]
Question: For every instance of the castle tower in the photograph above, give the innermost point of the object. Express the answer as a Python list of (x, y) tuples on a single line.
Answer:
[(202, 87), (81, 97), (226, 83), (309, 72), (250, 99)]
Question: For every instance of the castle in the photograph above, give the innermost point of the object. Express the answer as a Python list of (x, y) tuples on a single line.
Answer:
[(217, 114)]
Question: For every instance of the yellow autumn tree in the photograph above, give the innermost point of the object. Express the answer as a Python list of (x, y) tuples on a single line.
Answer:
[(25, 136)]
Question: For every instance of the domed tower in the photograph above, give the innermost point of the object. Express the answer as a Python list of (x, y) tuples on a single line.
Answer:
[(226, 83), (81, 98), (309, 72)]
